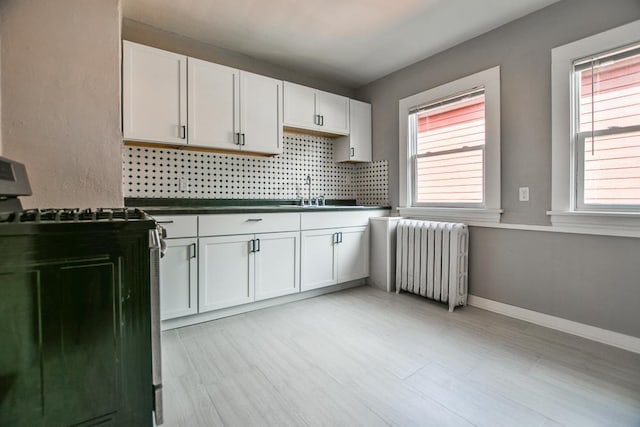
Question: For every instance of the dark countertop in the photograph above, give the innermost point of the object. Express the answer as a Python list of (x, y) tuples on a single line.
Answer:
[(228, 206)]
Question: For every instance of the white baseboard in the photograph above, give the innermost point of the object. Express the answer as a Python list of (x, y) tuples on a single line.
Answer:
[(616, 339)]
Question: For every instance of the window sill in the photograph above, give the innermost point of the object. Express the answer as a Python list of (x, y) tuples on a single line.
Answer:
[(453, 214), (625, 224)]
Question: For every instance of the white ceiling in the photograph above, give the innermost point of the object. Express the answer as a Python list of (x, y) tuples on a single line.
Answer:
[(350, 41)]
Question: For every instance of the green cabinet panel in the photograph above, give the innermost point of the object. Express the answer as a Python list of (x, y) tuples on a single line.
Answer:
[(75, 329)]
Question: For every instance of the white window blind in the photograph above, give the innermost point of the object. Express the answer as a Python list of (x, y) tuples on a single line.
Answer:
[(449, 143), (607, 130)]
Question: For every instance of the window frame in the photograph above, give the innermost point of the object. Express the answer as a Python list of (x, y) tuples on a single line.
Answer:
[(566, 176), (488, 211)]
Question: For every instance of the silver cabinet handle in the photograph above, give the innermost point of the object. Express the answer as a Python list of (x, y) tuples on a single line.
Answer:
[(254, 219), (335, 238), (353, 151), (165, 222), (192, 250), (238, 142), (252, 246), (244, 139), (340, 237), (183, 132), (258, 245), (321, 120)]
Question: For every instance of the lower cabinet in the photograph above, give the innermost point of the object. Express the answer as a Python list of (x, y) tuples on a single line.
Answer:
[(276, 265), (244, 268), (333, 256), (179, 279), (319, 259), (353, 254), (226, 271), (261, 257)]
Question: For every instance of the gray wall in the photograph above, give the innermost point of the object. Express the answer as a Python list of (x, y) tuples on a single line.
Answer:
[(522, 48), (61, 99), (588, 279), (145, 34)]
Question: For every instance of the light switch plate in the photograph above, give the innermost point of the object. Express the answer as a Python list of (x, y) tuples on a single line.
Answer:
[(523, 193)]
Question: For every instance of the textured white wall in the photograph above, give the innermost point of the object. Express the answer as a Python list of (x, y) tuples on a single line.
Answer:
[(61, 95)]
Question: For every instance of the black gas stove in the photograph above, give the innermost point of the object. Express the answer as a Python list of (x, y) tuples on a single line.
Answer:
[(79, 305)]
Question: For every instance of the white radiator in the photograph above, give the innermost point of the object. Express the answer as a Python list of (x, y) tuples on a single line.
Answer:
[(432, 260)]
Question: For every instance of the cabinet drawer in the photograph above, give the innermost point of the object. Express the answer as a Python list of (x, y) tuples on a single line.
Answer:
[(216, 225), (318, 220), (179, 225)]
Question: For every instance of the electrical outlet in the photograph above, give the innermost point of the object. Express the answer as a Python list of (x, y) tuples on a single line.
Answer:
[(183, 184), (523, 193)]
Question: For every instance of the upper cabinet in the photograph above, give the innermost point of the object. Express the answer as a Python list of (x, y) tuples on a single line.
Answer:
[(260, 113), (315, 110), (356, 147), (173, 99), (231, 109), (214, 113), (214, 107), (154, 98)]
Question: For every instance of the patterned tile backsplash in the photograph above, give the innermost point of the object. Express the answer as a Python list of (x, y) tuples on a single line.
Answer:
[(156, 173)]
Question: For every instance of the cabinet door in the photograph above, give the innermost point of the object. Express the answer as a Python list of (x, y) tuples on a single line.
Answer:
[(334, 112), (179, 279), (299, 106), (277, 258), (359, 131), (353, 254), (318, 267), (261, 113), (355, 147), (214, 113), (154, 95), (226, 266)]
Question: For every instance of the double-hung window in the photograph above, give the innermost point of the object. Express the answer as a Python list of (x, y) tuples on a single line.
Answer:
[(448, 141), (595, 87), (607, 130), (450, 150)]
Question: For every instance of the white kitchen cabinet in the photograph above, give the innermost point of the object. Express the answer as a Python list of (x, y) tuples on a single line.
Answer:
[(316, 110), (277, 260), (154, 95), (231, 109), (214, 111), (318, 261), (332, 256), (169, 98), (260, 113), (355, 147), (239, 269), (334, 112), (353, 254), (179, 279), (300, 106), (226, 267)]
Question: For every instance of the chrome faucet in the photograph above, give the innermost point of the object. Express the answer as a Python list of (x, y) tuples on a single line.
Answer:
[(308, 183)]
